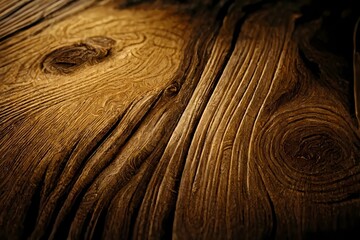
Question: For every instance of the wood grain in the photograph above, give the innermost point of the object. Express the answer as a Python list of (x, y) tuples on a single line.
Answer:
[(167, 119)]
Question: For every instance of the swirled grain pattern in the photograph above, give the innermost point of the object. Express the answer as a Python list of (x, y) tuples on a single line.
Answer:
[(134, 42), (76, 97)]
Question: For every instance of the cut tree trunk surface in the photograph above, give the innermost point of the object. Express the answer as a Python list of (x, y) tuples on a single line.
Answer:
[(178, 120)]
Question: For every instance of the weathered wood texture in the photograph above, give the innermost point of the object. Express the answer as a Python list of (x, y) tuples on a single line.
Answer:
[(175, 119)]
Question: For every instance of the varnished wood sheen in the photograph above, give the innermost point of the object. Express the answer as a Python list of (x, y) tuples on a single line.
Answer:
[(178, 120)]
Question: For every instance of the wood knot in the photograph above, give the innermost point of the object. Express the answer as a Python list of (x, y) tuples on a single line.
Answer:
[(68, 59), (305, 146), (315, 151), (172, 90)]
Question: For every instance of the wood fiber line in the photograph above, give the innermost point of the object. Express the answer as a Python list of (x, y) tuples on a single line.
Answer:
[(218, 151), (54, 116), (121, 186), (24, 170), (155, 215), (17, 16), (135, 49), (87, 161), (124, 206), (244, 177), (68, 97)]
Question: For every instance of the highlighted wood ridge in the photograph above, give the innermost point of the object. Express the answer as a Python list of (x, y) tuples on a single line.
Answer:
[(178, 120)]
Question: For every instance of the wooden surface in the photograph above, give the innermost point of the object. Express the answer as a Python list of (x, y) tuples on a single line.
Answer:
[(175, 119)]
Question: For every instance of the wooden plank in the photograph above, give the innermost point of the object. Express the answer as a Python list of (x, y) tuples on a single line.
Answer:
[(201, 120)]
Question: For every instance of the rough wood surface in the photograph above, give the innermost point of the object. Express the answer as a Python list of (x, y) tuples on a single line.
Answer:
[(175, 119)]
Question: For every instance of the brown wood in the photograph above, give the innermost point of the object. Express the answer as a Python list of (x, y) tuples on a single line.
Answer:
[(174, 119)]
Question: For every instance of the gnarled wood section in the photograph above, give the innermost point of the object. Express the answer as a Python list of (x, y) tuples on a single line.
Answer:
[(168, 120)]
